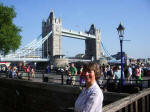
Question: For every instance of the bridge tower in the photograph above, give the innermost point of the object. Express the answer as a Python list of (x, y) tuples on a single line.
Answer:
[(52, 46), (92, 46)]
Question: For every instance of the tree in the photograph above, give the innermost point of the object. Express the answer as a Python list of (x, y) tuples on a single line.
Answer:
[(10, 38)]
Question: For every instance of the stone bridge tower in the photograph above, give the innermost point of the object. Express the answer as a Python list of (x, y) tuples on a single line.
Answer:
[(92, 46), (52, 46)]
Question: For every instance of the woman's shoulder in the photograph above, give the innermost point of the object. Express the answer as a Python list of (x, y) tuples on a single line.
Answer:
[(96, 89)]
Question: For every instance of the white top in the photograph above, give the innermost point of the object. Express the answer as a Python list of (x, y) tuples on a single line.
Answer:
[(130, 70), (90, 100)]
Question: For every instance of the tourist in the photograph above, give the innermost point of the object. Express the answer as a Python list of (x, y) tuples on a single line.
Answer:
[(105, 72), (66, 70), (91, 97), (117, 73), (130, 74), (9, 71), (141, 73), (14, 72), (72, 72), (32, 73), (101, 80), (137, 73), (82, 81), (110, 74)]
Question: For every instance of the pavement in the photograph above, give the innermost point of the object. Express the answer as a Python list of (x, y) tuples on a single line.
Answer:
[(56, 78), (52, 78)]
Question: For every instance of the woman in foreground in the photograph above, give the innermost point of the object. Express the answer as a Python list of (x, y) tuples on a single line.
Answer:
[(91, 97)]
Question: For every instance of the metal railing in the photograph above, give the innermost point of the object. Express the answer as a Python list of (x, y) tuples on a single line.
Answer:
[(62, 78), (41, 76), (139, 102)]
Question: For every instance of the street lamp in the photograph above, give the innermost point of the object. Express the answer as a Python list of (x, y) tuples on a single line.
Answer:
[(120, 30)]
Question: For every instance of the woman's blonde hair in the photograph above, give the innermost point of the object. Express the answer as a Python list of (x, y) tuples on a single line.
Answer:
[(92, 67)]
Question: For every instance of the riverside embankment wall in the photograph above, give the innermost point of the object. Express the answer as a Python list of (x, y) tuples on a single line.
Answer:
[(27, 96)]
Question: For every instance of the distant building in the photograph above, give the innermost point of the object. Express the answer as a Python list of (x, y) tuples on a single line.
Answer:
[(60, 61), (118, 57), (103, 61), (59, 56), (79, 56), (148, 60), (132, 61)]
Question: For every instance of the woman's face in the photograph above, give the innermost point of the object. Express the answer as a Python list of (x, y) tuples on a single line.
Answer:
[(89, 76)]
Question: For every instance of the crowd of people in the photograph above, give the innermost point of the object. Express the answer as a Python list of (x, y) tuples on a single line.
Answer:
[(131, 73), (112, 72), (20, 72)]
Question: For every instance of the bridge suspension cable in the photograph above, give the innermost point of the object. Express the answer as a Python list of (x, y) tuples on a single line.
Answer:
[(31, 47), (22, 50), (106, 51)]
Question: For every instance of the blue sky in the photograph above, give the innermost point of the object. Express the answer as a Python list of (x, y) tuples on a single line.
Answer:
[(80, 14)]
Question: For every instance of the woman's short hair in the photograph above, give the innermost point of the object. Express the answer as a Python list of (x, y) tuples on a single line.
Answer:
[(92, 67)]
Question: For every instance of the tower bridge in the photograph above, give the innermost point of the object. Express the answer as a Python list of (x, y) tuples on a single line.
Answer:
[(52, 46), (50, 43)]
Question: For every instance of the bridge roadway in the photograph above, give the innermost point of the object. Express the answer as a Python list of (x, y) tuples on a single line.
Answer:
[(24, 59), (6, 59), (78, 35)]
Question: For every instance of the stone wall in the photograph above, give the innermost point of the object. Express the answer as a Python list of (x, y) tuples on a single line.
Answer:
[(25, 96), (110, 97), (63, 62)]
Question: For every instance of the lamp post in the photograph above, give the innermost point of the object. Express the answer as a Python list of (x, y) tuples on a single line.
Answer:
[(120, 30)]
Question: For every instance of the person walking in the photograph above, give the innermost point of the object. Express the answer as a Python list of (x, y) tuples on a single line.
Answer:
[(129, 74), (91, 97), (117, 73), (82, 81), (32, 73), (72, 72), (137, 74)]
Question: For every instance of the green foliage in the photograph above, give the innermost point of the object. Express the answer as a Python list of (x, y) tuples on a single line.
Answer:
[(10, 38)]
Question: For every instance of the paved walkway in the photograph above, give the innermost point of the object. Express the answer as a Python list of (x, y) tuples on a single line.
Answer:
[(55, 78)]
